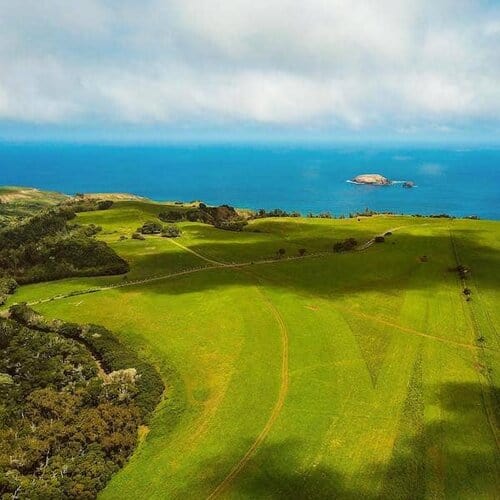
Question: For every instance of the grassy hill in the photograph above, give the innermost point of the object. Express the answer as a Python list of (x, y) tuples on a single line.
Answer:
[(18, 202), (358, 374)]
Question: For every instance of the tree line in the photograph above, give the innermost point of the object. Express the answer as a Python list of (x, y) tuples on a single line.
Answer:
[(49, 245)]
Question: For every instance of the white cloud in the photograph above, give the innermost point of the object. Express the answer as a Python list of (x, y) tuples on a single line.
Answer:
[(356, 64)]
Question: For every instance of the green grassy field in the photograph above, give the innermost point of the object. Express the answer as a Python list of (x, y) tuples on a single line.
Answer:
[(357, 375)]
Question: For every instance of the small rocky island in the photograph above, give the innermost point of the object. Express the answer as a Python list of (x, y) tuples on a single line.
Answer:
[(372, 179)]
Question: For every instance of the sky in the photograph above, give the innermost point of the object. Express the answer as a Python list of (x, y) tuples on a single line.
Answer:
[(157, 70)]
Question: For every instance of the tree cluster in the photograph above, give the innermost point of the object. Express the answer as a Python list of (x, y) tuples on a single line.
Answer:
[(105, 347), (155, 227), (71, 400), (65, 427), (222, 217), (48, 246), (82, 203), (276, 212)]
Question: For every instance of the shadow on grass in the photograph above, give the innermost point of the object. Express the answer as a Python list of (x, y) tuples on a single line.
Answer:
[(385, 267), (429, 460)]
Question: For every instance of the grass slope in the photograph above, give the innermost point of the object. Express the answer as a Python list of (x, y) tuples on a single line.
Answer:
[(364, 374)]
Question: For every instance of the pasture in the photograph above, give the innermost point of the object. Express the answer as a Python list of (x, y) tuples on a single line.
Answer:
[(363, 374)]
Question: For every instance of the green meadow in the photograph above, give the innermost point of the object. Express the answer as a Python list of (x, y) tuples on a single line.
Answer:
[(364, 374)]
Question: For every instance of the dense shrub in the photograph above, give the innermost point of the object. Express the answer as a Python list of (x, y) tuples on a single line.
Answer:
[(345, 246), (47, 247), (106, 347), (221, 217), (56, 258), (47, 223), (65, 426), (104, 204), (7, 287), (231, 225), (171, 231), (172, 215), (81, 203), (88, 230), (138, 236), (150, 227)]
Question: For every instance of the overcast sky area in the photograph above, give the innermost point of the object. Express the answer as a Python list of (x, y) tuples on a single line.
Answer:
[(392, 69)]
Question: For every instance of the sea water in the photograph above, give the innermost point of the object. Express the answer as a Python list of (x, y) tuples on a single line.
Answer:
[(459, 182)]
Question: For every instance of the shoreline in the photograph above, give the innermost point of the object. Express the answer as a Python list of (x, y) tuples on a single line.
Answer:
[(119, 196)]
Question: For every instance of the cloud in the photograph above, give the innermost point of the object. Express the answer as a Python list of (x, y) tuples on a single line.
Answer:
[(399, 64)]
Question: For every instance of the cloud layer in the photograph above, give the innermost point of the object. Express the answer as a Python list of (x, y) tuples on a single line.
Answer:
[(398, 64)]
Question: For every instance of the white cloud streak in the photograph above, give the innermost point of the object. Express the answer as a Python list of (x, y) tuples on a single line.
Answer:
[(355, 64)]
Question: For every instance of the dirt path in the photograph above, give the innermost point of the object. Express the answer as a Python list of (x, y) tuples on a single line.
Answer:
[(214, 265), (283, 390), (194, 252), (370, 242)]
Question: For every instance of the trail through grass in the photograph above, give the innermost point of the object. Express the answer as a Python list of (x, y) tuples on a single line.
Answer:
[(355, 375)]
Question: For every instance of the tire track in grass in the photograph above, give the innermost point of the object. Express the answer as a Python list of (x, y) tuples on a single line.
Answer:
[(410, 330), (283, 390)]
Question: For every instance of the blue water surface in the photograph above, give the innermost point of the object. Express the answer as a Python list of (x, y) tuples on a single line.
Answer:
[(458, 182)]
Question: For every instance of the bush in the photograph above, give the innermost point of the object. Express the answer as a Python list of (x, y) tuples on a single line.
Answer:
[(150, 227), (138, 236), (281, 252), (104, 204), (172, 215), (171, 231), (7, 287), (231, 225), (345, 246)]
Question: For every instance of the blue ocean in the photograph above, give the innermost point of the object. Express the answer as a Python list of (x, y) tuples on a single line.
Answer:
[(459, 182)]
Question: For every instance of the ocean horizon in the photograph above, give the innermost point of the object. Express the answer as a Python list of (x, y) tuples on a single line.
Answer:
[(459, 182)]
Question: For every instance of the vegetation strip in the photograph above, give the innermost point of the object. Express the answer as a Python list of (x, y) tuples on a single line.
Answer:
[(490, 413)]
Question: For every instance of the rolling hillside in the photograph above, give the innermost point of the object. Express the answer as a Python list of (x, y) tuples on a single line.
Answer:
[(360, 374)]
